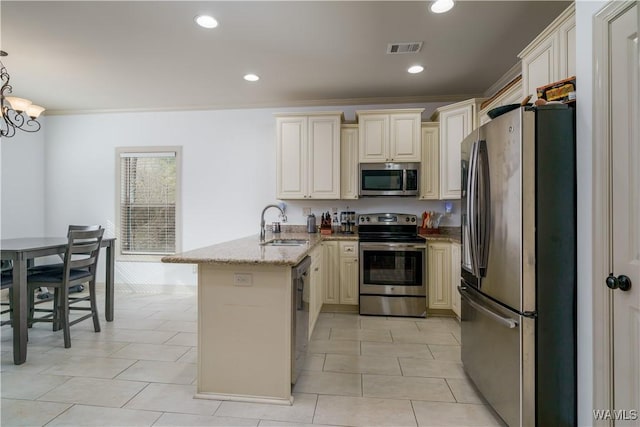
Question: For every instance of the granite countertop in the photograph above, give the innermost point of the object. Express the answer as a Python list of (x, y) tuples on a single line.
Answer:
[(247, 250), (447, 234)]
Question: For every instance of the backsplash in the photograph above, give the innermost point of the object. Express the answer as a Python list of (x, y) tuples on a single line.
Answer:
[(295, 215)]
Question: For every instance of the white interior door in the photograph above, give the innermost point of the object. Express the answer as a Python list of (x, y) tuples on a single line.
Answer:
[(625, 210)]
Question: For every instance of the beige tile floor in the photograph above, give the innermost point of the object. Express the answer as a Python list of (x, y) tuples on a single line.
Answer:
[(141, 371)]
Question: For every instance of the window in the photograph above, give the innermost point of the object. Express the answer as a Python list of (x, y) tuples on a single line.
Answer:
[(148, 191)]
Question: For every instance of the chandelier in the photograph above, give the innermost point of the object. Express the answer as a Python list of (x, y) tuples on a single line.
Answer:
[(17, 113)]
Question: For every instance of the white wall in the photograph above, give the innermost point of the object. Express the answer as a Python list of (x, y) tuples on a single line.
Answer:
[(228, 176), (22, 172), (584, 123)]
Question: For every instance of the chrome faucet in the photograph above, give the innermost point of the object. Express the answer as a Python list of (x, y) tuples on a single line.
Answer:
[(281, 208)]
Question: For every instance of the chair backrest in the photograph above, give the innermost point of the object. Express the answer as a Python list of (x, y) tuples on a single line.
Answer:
[(83, 248)]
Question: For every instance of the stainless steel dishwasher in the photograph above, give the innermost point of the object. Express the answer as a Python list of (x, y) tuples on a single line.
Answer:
[(299, 316)]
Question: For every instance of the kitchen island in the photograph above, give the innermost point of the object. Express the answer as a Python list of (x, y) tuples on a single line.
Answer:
[(245, 317)]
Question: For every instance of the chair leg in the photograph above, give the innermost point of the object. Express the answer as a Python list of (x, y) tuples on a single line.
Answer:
[(94, 305), (64, 315)]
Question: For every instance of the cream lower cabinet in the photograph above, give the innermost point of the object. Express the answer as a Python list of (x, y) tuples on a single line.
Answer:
[(308, 156), (552, 55), (349, 273), (439, 273), (430, 165), (341, 272), (389, 135), (456, 121), (443, 264), (349, 162), (455, 278), (331, 262), (316, 286)]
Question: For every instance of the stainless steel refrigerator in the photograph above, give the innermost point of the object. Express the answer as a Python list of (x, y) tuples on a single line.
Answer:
[(518, 276)]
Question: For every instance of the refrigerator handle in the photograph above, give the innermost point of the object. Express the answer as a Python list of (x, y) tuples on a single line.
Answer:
[(472, 207), (484, 197), (505, 321)]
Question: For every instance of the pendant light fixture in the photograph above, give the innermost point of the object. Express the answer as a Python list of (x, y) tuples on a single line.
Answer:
[(17, 113)]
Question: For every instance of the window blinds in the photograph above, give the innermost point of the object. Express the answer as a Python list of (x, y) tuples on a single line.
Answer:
[(148, 203)]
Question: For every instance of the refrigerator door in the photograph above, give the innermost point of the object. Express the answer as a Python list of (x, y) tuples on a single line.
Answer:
[(498, 356), (508, 204)]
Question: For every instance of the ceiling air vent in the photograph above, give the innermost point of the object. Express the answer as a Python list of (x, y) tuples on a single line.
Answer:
[(408, 47)]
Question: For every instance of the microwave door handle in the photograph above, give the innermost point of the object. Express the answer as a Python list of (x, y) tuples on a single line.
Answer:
[(472, 210)]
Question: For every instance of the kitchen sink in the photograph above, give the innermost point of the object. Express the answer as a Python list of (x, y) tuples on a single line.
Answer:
[(286, 242)]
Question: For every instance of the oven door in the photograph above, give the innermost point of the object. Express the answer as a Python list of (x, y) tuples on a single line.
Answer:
[(392, 269)]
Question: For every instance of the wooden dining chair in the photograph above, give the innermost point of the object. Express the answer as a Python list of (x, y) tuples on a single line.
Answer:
[(7, 283), (80, 266)]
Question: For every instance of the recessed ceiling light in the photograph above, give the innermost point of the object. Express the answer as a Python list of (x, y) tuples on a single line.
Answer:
[(206, 21), (416, 69), (251, 78), (441, 6)]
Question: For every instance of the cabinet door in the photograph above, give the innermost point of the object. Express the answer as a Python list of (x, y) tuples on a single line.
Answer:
[(349, 163), (455, 125), (349, 280), (324, 157), (455, 278), (567, 47), (430, 166), (331, 270), (404, 137), (291, 157), (374, 137), (439, 266), (540, 66), (315, 287)]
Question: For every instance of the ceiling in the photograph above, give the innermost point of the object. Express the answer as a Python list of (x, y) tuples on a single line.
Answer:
[(149, 55)]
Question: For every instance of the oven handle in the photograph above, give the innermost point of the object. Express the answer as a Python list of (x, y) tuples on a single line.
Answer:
[(391, 246)]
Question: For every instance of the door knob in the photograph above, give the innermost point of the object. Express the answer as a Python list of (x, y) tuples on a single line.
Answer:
[(621, 282)]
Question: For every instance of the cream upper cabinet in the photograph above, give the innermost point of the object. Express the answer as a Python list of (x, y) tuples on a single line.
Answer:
[(308, 156), (349, 162), (456, 121), (550, 56), (512, 94), (430, 165), (331, 261), (455, 278), (439, 273), (389, 135), (349, 273)]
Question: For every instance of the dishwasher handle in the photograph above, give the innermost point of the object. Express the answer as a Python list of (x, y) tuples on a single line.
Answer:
[(505, 321)]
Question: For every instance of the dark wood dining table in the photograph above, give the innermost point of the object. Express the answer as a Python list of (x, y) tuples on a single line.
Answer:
[(22, 252)]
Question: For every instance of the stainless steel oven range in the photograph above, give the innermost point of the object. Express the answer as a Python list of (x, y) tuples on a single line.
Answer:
[(392, 266)]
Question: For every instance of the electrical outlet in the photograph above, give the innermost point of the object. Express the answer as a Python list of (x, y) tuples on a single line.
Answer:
[(243, 279), (306, 211)]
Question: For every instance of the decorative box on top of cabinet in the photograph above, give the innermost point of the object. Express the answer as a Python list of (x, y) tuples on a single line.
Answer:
[(456, 121), (551, 56), (389, 135), (430, 165), (308, 155)]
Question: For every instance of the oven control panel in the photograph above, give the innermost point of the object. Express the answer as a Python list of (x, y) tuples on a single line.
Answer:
[(387, 219)]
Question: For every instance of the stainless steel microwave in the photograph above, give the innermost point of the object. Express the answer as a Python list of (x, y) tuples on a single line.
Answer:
[(389, 179)]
